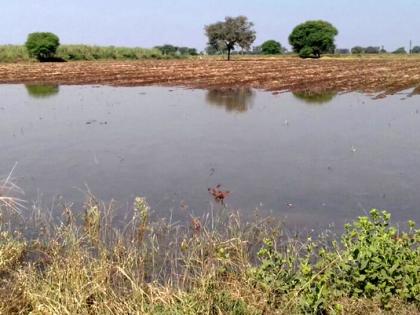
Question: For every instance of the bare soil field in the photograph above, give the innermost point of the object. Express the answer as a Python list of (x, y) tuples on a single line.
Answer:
[(381, 76)]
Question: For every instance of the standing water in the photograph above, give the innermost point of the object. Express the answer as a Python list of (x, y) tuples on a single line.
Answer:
[(312, 160)]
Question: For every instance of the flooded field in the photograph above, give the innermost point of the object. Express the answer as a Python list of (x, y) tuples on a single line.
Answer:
[(313, 160)]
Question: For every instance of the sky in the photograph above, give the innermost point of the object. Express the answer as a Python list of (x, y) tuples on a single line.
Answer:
[(147, 23)]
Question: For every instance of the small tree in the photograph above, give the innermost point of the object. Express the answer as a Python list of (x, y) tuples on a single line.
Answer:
[(313, 38), (400, 51), (415, 50), (167, 49), (192, 52), (42, 46), (187, 51), (231, 33), (357, 50), (372, 50), (271, 47)]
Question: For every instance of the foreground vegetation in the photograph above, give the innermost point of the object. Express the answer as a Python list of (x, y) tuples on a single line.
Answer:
[(217, 265)]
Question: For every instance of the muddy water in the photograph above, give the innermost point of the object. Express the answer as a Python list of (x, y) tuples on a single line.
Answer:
[(313, 160)]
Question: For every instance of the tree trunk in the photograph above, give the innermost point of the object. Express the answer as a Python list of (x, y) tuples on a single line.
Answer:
[(228, 54)]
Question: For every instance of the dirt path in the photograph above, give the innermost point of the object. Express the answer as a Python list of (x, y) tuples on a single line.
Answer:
[(381, 76)]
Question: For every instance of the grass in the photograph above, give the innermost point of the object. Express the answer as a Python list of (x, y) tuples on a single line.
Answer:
[(14, 53), (217, 264), (8, 190), (84, 52)]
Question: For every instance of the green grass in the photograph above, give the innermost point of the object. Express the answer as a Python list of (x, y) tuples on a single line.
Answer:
[(10, 53), (83, 52), (217, 264), (13, 53)]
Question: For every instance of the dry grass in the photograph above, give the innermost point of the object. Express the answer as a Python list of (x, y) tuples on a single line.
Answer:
[(8, 192), (82, 265)]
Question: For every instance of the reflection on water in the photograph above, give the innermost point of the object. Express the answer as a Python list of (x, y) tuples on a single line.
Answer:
[(233, 99), (42, 91), (315, 98)]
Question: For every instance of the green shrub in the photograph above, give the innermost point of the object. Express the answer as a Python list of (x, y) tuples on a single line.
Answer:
[(379, 261), (400, 51), (357, 50), (271, 47), (373, 260), (42, 46), (306, 52)]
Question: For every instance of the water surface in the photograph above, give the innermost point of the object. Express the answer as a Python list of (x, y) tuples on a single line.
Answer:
[(313, 159)]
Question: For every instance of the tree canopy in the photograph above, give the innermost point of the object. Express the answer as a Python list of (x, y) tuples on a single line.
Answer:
[(372, 50), (313, 38), (368, 50), (234, 31), (171, 50), (400, 50), (357, 50), (42, 46), (167, 49), (415, 50), (271, 47)]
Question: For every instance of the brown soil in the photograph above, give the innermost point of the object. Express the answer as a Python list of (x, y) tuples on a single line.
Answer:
[(380, 76)]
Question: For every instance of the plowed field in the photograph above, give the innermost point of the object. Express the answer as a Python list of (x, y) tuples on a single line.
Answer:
[(381, 76)]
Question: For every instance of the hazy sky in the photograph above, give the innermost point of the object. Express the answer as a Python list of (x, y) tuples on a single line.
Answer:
[(147, 23)]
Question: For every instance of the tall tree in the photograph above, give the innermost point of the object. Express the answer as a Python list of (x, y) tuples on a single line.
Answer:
[(234, 31), (313, 38)]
